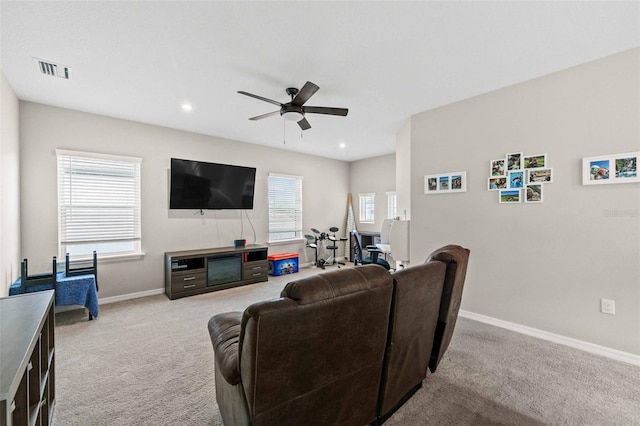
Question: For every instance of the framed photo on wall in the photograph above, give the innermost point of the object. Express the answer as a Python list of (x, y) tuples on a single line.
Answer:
[(533, 193), (430, 184), (612, 168), (516, 179), (496, 183), (445, 183), (523, 180), (539, 176), (510, 195), (535, 161), (496, 168), (514, 161)]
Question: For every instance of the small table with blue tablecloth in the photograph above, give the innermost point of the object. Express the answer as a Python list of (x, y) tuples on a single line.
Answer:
[(76, 290)]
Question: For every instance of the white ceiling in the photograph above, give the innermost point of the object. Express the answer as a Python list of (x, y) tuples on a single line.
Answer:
[(383, 60)]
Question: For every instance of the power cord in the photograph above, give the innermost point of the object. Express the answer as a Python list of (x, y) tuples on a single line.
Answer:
[(252, 228)]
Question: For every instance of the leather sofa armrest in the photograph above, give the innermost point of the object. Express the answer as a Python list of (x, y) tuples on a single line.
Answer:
[(224, 331)]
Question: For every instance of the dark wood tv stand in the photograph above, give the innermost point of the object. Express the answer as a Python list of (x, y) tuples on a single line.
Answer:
[(27, 359), (191, 272)]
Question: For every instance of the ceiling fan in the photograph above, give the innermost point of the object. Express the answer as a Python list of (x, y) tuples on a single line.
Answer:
[(295, 109)]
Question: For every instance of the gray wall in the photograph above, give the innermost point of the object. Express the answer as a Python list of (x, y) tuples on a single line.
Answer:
[(403, 170), (373, 175), (44, 128), (9, 187), (545, 265)]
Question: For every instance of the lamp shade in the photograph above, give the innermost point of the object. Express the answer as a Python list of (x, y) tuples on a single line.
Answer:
[(292, 116)]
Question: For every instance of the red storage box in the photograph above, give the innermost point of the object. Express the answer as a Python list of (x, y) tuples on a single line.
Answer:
[(283, 264)]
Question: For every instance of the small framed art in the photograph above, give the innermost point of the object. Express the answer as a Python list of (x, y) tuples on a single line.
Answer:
[(539, 176), (496, 168), (613, 168), (510, 195), (516, 179), (514, 161), (445, 183), (496, 183), (533, 193), (535, 161), (430, 184)]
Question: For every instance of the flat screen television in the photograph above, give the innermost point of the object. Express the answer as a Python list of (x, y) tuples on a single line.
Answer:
[(210, 186)]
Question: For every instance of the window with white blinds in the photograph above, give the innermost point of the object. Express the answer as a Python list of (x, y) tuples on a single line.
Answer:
[(285, 207), (367, 208), (391, 205), (98, 204)]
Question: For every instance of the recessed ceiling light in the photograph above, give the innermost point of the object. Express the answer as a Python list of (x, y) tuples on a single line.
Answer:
[(186, 107), (343, 145)]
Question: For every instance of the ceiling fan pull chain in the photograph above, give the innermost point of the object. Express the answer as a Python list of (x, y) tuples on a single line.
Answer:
[(284, 134)]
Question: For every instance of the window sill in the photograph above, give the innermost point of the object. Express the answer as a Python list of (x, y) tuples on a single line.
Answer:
[(283, 242), (107, 258)]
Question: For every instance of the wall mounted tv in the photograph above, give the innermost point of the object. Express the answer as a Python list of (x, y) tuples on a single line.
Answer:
[(210, 186)]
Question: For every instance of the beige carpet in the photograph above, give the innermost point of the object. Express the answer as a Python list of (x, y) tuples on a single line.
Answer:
[(149, 361)]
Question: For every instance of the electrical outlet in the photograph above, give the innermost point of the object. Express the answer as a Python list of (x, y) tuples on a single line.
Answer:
[(608, 306)]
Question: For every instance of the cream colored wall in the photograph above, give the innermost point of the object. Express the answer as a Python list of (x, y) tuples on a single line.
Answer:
[(373, 175), (44, 128), (403, 171), (9, 187), (545, 265)]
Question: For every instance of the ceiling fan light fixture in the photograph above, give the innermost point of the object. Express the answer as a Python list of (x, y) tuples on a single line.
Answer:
[(295, 110), (292, 116)]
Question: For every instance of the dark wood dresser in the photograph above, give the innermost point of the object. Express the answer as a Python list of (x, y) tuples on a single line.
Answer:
[(27, 359)]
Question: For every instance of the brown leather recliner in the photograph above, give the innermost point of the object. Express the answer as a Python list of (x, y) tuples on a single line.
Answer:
[(457, 259), (425, 306), (412, 325), (313, 356)]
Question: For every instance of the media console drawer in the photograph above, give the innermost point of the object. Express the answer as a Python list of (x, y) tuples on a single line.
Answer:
[(188, 280), (192, 272), (255, 270)]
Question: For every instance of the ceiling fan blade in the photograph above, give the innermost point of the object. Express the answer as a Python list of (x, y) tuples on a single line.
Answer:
[(304, 124), (260, 97), (305, 93), (326, 110), (269, 114)]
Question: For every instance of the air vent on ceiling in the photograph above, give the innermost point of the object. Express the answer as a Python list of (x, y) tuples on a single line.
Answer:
[(52, 69)]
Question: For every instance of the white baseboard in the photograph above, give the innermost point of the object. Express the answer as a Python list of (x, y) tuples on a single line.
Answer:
[(555, 338), (113, 299)]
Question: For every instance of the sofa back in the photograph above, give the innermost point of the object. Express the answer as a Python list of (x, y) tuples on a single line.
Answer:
[(456, 259), (412, 324), (315, 355)]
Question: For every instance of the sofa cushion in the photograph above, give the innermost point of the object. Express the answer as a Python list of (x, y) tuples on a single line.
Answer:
[(335, 283)]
